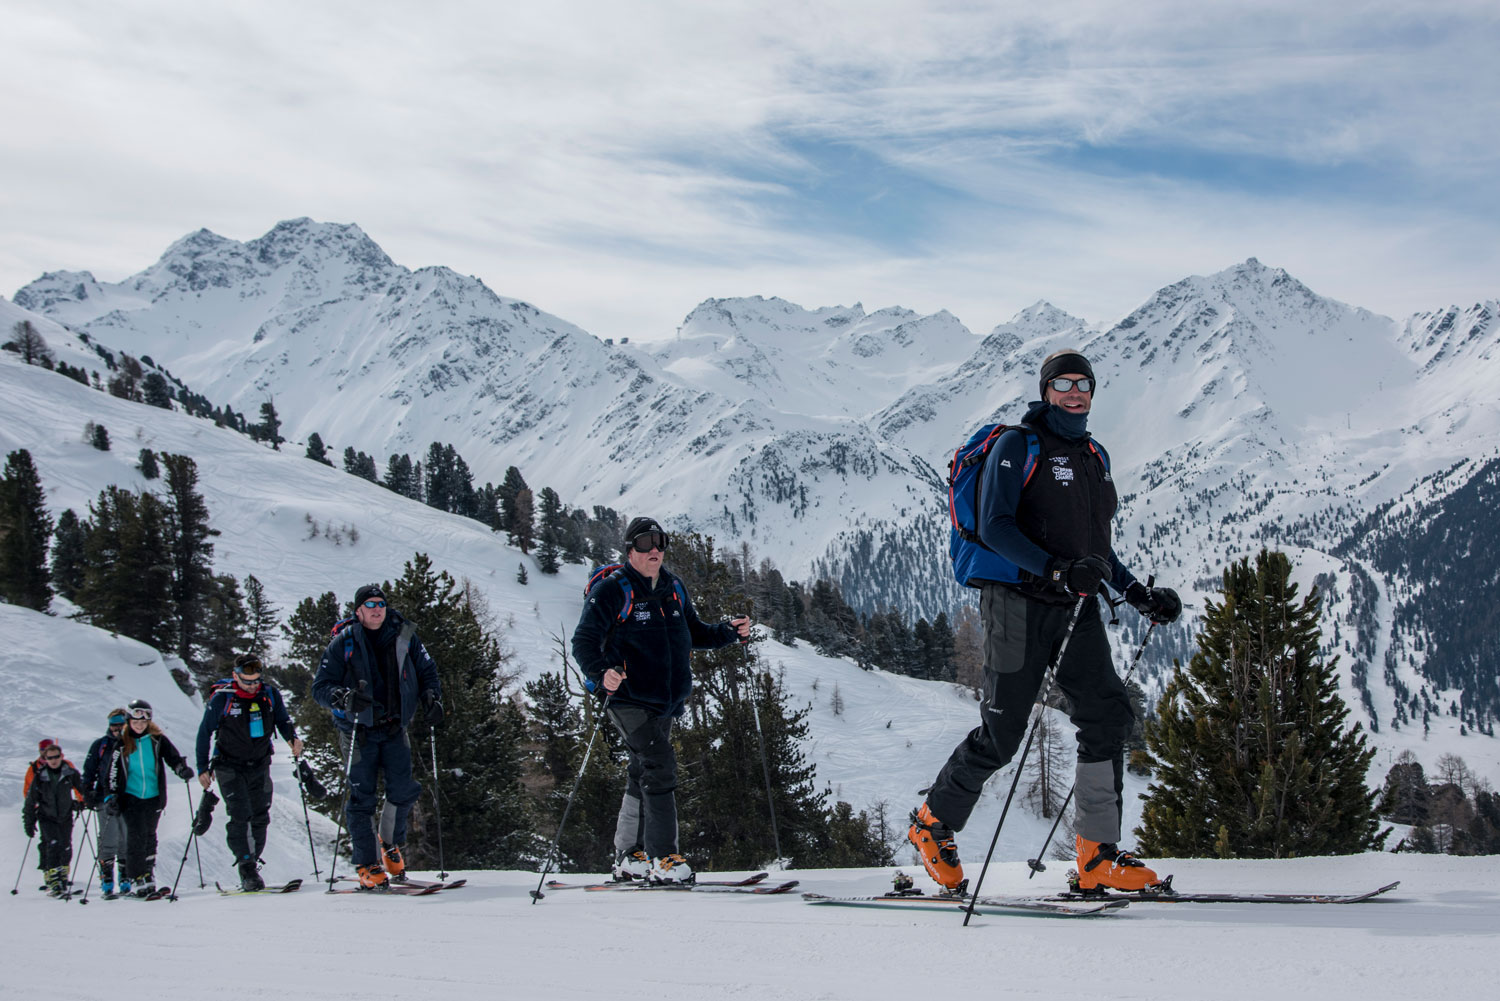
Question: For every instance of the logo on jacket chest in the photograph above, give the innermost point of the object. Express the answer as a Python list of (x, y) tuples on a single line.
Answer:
[(1062, 470), (642, 614), (237, 708)]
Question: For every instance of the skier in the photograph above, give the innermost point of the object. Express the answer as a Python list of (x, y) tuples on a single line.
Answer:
[(1054, 526), (110, 829), (633, 641), (53, 795), (136, 790), (238, 721), (372, 676)]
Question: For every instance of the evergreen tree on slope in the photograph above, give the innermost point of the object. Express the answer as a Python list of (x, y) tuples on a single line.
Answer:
[(1250, 749)]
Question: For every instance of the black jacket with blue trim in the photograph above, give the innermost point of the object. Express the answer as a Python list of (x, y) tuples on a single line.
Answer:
[(652, 647), (353, 656)]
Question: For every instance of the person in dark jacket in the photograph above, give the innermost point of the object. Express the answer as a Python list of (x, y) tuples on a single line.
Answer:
[(634, 642), (373, 676), (238, 722), (1054, 525), (54, 795), (137, 791), (111, 828)]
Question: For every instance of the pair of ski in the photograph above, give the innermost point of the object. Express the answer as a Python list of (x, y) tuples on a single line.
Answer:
[(237, 891), (404, 888), (1079, 904), (158, 893), (750, 884)]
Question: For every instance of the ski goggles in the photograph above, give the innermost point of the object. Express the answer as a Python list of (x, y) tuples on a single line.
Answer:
[(374, 603), (647, 541), (1085, 385), (139, 713)]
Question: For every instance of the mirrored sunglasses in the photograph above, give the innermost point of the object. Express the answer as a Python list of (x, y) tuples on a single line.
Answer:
[(374, 603), (1063, 385), (648, 541)]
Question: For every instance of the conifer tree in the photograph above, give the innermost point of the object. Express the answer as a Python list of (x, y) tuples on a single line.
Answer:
[(506, 495), (147, 464), (156, 392), (549, 548), (25, 531), (224, 631), (316, 450), (269, 428), (29, 343), (67, 555), (1250, 748), (260, 617), (191, 560), (127, 567), (99, 436), (522, 522)]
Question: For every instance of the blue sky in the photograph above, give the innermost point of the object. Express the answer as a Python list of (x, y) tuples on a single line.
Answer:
[(617, 164)]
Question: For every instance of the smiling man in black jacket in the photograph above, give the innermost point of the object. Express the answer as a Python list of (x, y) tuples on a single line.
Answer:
[(634, 641)]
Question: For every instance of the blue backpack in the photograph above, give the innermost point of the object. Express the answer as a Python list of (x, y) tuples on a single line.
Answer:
[(974, 563)]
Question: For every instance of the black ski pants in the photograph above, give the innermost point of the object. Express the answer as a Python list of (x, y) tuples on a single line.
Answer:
[(648, 811), (54, 842), (1021, 639), (141, 817), (247, 805)]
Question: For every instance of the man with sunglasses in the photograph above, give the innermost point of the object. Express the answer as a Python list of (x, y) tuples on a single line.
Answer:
[(373, 675), (54, 795), (1046, 502), (238, 722), (111, 826), (634, 642)]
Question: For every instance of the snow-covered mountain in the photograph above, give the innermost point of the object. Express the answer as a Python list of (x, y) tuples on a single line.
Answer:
[(1241, 408)]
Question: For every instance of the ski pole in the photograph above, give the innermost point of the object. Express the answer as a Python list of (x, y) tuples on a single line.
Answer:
[(1036, 864), (93, 863), (83, 838), (537, 894), (192, 835), (437, 804), (22, 869), (765, 766), (193, 822), (344, 807), (306, 818), (1030, 736)]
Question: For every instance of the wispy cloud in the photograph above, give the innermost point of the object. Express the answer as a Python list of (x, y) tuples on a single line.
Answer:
[(616, 163)]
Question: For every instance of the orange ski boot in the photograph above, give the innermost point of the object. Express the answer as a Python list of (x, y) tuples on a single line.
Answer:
[(395, 865), (934, 843), (373, 877), (1105, 867)]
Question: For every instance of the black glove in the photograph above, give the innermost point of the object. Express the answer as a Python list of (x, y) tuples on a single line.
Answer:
[(351, 701), (184, 771), (204, 818), (310, 781), (112, 805), (1080, 576), (1159, 604), (432, 706), (30, 829)]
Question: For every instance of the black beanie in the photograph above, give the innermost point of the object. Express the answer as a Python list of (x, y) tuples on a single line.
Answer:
[(640, 526), (366, 592), (1067, 361)]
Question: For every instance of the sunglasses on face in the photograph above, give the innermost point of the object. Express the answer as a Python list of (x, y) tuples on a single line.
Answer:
[(140, 713), (373, 603), (54, 757), (648, 541), (1063, 385), (247, 682)]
